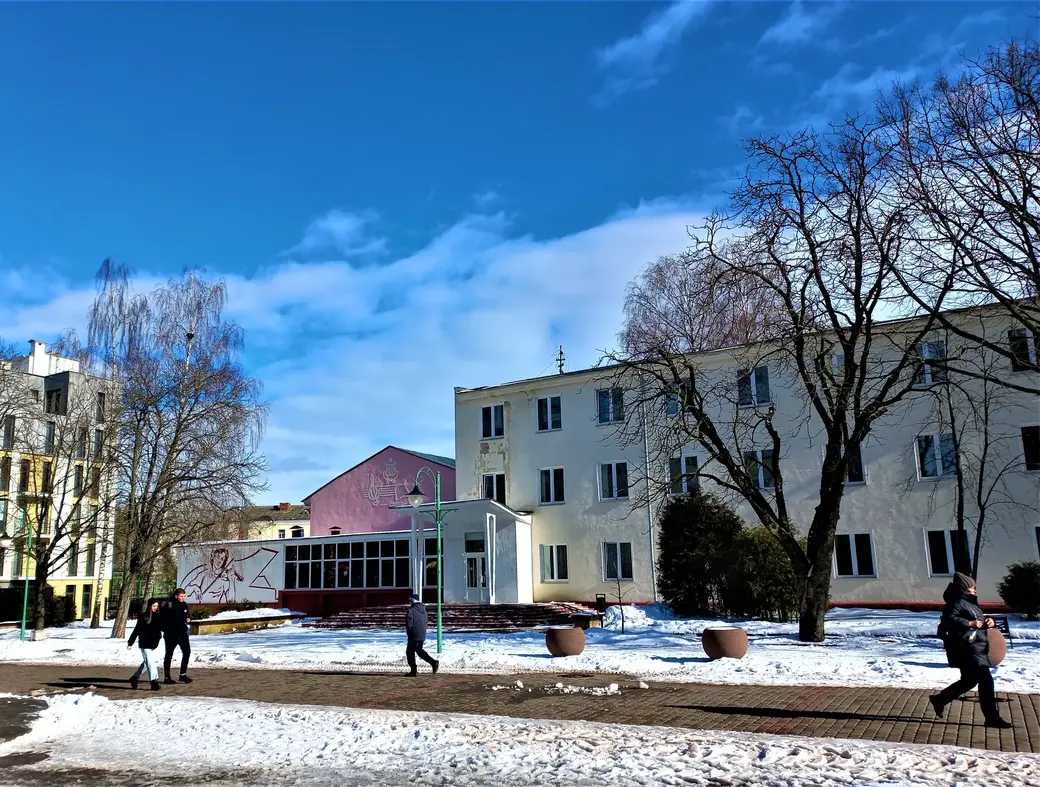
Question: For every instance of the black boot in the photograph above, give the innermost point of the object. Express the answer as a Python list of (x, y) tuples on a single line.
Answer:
[(184, 679), (155, 685), (169, 681), (998, 723), (937, 705), (413, 673), (133, 683), (436, 666)]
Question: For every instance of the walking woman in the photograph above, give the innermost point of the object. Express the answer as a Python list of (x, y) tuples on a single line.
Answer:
[(148, 634), (963, 632)]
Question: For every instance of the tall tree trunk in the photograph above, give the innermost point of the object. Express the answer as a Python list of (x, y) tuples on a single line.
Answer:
[(38, 609), (99, 588), (819, 552), (815, 600), (130, 574)]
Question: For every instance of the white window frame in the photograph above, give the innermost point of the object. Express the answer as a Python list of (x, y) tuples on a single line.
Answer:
[(947, 535), (492, 408), (683, 460), (614, 417), (944, 473), (548, 413), (554, 551), (552, 486), (1020, 437), (613, 476), (926, 352), (855, 562), (617, 545), (838, 366), (281, 534), (494, 484), (862, 466), (761, 468), (752, 375), (1030, 350)]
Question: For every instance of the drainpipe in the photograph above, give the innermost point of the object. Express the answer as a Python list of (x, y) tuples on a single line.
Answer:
[(649, 503)]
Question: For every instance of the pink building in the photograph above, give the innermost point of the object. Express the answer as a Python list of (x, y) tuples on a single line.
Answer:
[(359, 500)]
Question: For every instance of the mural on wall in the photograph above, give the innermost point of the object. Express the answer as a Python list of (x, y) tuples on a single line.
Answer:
[(222, 575), (387, 488)]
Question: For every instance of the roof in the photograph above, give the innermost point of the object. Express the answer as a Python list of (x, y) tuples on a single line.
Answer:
[(275, 514), (484, 502), (444, 461)]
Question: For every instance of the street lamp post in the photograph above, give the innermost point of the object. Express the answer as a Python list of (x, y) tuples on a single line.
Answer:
[(416, 498)]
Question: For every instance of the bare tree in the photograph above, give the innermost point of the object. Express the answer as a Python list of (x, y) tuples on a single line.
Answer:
[(189, 418), (817, 228)]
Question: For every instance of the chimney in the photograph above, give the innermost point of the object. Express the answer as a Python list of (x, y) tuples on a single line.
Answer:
[(284, 506)]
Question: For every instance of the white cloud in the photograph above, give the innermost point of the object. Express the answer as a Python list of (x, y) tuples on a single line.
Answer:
[(353, 358), (742, 121), (799, 25), (636, 62), (340, 233), (850, 85)]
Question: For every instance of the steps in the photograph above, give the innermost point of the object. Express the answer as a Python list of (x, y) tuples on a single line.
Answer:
[(463, 617)]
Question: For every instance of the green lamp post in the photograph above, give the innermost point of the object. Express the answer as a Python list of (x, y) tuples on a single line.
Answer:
[(416, 498)]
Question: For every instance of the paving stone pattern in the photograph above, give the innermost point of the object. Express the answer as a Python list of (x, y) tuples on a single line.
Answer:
[(876, 714)]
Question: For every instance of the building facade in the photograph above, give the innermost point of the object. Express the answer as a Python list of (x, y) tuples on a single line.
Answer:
[(55, 489), (551, 447)]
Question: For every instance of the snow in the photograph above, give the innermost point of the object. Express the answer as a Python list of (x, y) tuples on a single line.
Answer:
[(863, 647), (249, 614), (238, 743)]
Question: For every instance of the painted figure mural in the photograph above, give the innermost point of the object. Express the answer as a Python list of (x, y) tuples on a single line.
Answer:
[(222, 575)]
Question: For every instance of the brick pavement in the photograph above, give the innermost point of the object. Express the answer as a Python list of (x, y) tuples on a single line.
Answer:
[(876, 714)]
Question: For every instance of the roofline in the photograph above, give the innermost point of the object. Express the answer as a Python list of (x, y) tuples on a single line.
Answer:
[(306, 500), (427, 507)]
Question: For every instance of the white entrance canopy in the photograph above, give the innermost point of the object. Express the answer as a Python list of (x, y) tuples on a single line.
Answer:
[(486, 550)]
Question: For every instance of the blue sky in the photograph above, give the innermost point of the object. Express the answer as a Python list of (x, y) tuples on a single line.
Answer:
[(403, 197)]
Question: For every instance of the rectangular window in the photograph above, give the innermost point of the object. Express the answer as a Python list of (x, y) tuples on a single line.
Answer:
[(761, 467), (554, 562), (77, 481), (1031, 446), (23, 478), (5, 474), (550, 486), (936, 457), (617, 561), (682, 475), (281, 534), (95, 482), (492, 421), (753, 387), (854, 555), (90, 559), (85, 611), (1023, 350), (940, 553), (430, 562), (48, 472), (52, 402), (613, 481), (474, 543), (99, 442), (610, 405), (3, 518), (7, 436), (48, 438), (494, 485), (19, 557), (92, 521), (21, 515), (550, 415), (81, 444), (99, 416), (43, 516), (931, 364), (856, 475), (73, 566)]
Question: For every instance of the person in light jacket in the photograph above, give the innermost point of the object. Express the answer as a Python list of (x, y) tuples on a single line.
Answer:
[(415, 628), (148, 634), (963, 632)]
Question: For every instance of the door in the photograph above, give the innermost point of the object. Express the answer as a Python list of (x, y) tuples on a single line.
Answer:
[(476, 569)]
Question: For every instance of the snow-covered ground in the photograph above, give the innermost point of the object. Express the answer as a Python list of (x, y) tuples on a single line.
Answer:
[(249, 614), (869, 648), (239, 743)]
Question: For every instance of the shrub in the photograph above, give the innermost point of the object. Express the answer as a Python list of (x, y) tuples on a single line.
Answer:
[(243, 606), (201, 613), (1020, 588), (761, 582), (58, 611), (697, 535)]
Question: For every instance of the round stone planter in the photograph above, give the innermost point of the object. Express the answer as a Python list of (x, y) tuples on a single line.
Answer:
[(997, 646), (724, 643), (565, 641)]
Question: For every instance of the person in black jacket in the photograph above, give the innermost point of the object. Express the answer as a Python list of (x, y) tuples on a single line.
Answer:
[(176, 620), (963, 631), (147, 634), (415, 627)]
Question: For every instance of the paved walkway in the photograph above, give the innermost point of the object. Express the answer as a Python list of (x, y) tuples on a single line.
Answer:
[(888, 714)]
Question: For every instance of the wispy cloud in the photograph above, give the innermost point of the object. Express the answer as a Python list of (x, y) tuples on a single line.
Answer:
[(340, 233), (802, 25), (486, 199), (742, 120), (638, 61), (851, 85)]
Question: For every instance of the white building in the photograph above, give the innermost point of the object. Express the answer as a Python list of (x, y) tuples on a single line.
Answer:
[(55, 422)]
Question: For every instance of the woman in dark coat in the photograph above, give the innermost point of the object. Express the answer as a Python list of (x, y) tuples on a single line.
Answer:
[(148, 634), (963, 631)]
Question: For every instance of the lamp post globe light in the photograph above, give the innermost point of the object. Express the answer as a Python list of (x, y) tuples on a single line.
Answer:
[(416, 498)]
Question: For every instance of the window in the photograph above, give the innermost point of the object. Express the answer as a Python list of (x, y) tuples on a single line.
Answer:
[(610, 405), (550, 486), (48, 438), (932, 367), (95, 482), (671, 407), (494, 486), (77, 482), (1023, 350), (613, 481), (854, 555), (838, 367), (753, 387), (73, 567), (90, 559), (1030, 447), (359, 564), (3, 518), (550, 416), (99, 416), (761, 468), (5, 474), (81, 444), (19, 556), (335, 531), (473, 543), (281, 534), (52, 402), (23, 478), (430, 562), (936, 457), (944, 546), (297, 532), (617, 562), (48, 471), (682, 475), (92, 520), (85, 610), (99, 442), (856, 475), (75, 522), (492, 421), (21, 514), (7, 437), (554, 562)]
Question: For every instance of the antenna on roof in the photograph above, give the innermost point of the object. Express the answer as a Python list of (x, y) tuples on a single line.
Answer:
[(561, 359)]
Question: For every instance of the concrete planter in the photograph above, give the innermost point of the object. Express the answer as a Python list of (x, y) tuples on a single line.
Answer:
[(565, 641), (997, 646), (210, 626), (724, 643)]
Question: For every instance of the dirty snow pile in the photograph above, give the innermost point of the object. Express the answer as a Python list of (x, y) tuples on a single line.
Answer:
[(240, 743)]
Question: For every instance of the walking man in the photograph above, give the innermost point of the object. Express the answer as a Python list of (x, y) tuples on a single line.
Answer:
[(415, 627), (175, 622), (963, 632)]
